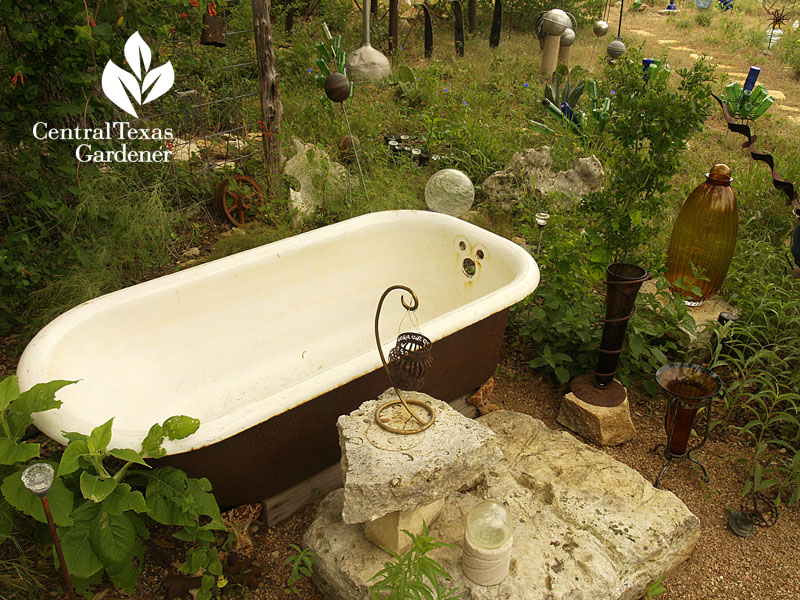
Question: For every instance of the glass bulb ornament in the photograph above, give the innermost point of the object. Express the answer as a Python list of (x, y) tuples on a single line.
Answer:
[(38, 478), (490, 524), (449, 191), (703, 239)]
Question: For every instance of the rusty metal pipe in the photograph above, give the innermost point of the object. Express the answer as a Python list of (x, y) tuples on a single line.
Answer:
[(57, 544)]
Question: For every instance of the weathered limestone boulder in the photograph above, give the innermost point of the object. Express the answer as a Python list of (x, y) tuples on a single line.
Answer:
[(317, 174), (530, 171), (385, 472), (604, 425), (387, 531), (587, 527)]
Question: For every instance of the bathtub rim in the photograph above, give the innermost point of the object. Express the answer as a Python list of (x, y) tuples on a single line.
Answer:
[(223, 426)]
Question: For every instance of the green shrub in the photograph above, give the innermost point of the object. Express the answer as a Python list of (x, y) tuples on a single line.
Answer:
[(703, 18), (789, 50)]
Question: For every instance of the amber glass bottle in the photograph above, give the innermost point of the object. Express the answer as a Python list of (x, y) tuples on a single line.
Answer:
[(704, 237)]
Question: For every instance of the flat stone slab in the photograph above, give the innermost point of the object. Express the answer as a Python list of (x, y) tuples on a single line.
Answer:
[(385, 472), (587, 527)]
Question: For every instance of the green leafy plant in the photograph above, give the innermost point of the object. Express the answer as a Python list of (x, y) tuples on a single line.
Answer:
[(302, 563), (413, 575), (16, 412), (651, 123), (103, 500), (655, 589)]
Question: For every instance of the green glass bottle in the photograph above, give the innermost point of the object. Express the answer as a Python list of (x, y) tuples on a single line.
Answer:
[(703, 238)]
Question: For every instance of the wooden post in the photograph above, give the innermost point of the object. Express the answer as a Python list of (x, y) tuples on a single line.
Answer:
[(271, 107), (393, 22), (374, 7), (473, 15)]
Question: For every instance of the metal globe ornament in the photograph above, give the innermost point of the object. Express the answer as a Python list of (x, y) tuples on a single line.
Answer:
[(600, 28), (337, 87), (555, 21), (568, 37), (616, 49)]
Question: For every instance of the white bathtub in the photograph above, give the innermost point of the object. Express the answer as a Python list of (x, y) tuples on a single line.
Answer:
[(244, 339)]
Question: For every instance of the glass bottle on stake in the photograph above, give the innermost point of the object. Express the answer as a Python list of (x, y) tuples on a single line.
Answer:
[(703, 238)]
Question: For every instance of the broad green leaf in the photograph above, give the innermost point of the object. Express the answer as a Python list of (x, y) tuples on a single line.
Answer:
[(60, 499), (6, 519), (123, 499), (113, 538), (81, 559), (128, 455), (95, 488), (69, 460), (180, 426), (125, 575), (151, 445), (9, 390), (636, 344), (100, 437), (12, 452), (166, 496), (73, 436), (39, 398)]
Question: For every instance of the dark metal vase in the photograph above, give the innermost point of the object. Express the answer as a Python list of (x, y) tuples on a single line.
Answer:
[(623, 281), (689, 388)]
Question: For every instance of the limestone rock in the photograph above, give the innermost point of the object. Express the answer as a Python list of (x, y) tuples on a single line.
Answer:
[(385, 472), (387, 531), (317, 175), (604, 425), (586, 526), (530, 170)]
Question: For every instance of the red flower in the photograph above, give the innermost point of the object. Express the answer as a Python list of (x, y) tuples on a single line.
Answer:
[(183, 16), (212, 8), (18, 76), (194, 3), (171, 30)]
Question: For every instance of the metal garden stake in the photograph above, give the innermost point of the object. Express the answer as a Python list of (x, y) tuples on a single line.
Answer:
[(38, 479)]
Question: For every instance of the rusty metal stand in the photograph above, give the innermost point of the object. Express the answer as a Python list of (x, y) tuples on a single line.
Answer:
[(673, 405)]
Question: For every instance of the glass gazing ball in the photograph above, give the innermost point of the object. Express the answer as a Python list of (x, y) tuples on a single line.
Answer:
[(555, 21), (616, 49), (449, 191), (600, 28), (568, 37), (490, 524), (38, 478), (337, 87)]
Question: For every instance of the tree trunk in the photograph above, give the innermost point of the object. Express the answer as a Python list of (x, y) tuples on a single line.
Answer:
[(271, 107), (473, 15), (374, 7)]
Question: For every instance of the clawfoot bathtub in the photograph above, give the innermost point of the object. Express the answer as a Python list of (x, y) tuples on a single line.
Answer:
[(268, 347)]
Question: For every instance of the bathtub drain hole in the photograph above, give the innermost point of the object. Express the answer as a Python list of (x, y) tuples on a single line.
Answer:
[(469, 267)]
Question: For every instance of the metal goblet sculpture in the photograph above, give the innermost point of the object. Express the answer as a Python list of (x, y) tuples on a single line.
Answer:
[(599, 387), (338, 89), (689, 389), (409, 361)]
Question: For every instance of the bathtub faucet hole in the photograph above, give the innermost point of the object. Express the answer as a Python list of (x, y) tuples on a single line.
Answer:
[(479, 254), (469, 267), (462, 245)]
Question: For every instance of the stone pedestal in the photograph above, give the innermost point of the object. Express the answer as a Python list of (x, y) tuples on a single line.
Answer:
[(585, 525), (392, 481), (604, 425), (388, 531)]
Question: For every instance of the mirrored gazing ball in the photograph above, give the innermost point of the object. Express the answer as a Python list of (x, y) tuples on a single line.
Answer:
[(600, 28), (568, 37), (337, 87), (555, 21)]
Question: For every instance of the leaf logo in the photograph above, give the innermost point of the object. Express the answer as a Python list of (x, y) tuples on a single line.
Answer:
[(116, 80)]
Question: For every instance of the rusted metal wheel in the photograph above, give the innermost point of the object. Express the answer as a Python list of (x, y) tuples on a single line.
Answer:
[(233, 199)]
